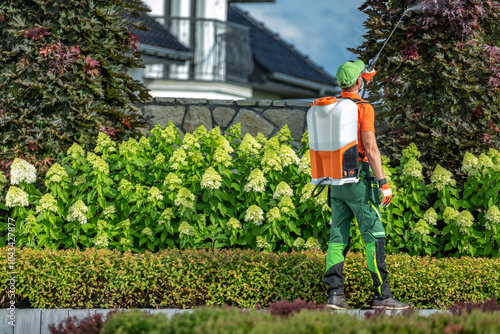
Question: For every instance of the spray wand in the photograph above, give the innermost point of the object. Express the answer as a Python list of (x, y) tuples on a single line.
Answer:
[(371, 66)]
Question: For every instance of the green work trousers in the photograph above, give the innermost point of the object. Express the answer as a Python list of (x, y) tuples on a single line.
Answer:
[(360, 200)]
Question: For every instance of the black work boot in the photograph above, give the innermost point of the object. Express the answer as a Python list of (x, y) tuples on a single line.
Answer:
[(389, 304), (337, 302)]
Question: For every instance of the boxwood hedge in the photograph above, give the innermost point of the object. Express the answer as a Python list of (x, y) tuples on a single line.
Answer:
[(244, 278)]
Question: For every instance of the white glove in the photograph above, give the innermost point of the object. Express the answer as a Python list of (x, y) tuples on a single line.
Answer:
[(386, 194)]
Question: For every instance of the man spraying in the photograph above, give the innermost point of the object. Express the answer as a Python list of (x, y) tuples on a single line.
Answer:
[(360, 200)]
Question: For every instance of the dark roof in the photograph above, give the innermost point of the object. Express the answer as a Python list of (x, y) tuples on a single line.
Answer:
[(275, 55), (157, 35)]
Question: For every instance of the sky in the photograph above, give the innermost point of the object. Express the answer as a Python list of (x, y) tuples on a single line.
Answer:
[(320, 29)]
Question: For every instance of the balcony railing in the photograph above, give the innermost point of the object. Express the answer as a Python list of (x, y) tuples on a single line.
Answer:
[(222, 51)]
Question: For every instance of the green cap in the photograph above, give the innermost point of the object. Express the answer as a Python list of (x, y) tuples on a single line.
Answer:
[(349, 72)]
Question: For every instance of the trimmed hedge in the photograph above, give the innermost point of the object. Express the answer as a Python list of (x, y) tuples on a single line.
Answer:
[(243, 278), (227, 320)]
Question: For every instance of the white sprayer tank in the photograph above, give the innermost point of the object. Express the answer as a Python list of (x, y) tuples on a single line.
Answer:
[(333, 141)]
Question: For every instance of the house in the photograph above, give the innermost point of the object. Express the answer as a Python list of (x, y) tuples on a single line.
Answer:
[(212, 49)]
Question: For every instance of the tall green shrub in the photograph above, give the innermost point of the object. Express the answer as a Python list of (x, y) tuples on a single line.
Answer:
[(439, 75), (63, 74)]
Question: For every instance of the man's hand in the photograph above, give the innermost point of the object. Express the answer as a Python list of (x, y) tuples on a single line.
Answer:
[(387, 194), (368, 75)]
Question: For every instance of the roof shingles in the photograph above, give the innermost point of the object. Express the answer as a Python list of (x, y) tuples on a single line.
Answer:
[(275, 55)]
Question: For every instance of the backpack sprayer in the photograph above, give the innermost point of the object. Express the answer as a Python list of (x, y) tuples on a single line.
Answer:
[(333, 131)]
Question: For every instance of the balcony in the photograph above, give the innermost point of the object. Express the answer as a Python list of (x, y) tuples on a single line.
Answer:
[(222, 51)]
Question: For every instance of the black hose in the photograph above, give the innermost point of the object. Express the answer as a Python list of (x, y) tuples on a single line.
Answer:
[(317, 185)]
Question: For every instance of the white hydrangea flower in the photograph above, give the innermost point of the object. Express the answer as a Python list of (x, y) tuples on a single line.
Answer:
[(80, 180), (494, 155), (255, 215), (288, 156), (101, 224), (169, 133), (464, 220), (154, 194), (484, 163), (109, 211), (147, 231), (185, 198), (271, 161), (283, 189), (261, 139), (99, 164), (31, 219), (305, 163), (104, 142), (234, 223), (125, 185), (47, 202), (166, 216), (431, 216), (285, 134), (125, 224), (190, 141), (77, 212), (22, 171), (442, 178), (325, 207), (286, 205), (413, 168), (411, 151), (261, 242), (178, 159), (470, 164), (211, 179), (55, 174), (185, 229), (224, 144), (172, 181), (128, 147), (492, 217), (222, 156), (159, 159), (76, 151), (256, 181), (144, 143), (306, 192), (200, 132), (272, 144), (16, 197), (322, 198), (312, 243), (299, 243), (249, 145), (101, 240), (449, 214), (421, 227), (273, 214)]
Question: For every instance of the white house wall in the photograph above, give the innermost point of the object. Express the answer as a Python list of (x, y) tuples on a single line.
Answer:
[(206, 50)]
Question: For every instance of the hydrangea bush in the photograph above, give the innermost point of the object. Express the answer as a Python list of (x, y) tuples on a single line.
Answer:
[(209, 190), (201, 190), (435, 217)]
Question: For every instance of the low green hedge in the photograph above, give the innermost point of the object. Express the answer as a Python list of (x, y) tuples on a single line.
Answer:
[(224, 320), (244, 278)]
